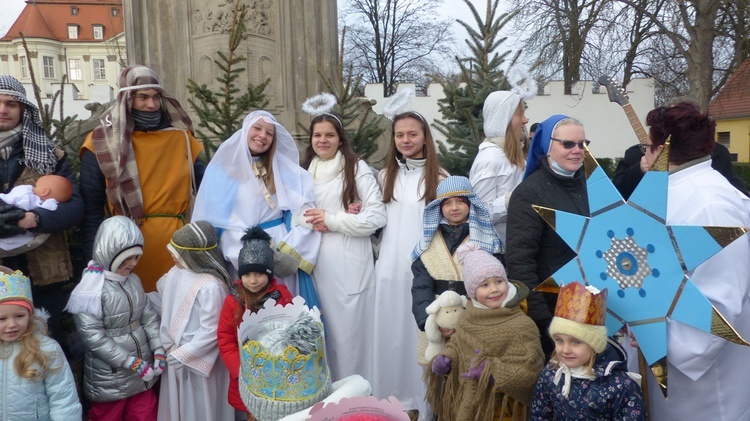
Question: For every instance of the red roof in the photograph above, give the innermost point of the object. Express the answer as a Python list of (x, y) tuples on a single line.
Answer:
[(50, 19), (733, 100)]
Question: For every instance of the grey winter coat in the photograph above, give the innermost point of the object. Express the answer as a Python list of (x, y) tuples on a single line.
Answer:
[(129, 326)]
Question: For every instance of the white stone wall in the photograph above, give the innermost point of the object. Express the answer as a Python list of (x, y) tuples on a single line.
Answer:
[(605, 122)]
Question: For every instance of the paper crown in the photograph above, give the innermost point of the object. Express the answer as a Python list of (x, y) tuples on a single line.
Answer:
[(283, 362), (14, 286), (578, 304)]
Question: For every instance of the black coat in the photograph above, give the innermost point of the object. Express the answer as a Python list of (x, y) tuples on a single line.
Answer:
[(67, 215), (534, 250), (628, 173)]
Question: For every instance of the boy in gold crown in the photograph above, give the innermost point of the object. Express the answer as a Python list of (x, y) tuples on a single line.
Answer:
[(576, 384)]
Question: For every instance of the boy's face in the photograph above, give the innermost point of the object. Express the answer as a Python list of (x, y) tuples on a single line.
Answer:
[(572, 351), (492, 292), (455, 210), (254, 281), (128, 265)]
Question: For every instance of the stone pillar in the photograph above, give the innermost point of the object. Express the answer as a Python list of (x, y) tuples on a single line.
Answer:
[(288, 41)]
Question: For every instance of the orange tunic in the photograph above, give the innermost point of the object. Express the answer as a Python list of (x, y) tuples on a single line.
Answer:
[(161, 157)]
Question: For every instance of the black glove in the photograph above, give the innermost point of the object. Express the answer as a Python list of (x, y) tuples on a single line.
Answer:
[(9, 216)]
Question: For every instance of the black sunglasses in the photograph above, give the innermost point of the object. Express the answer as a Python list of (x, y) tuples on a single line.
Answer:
[(644, 147), (569, 144)]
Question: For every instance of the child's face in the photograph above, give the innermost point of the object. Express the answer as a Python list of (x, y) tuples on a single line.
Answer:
[(254, 281), (492, 292), (260, 136), (128, 265), (14, 320), (455, 210), (572, 351), (325, 140), (409, 138), (176, 261)]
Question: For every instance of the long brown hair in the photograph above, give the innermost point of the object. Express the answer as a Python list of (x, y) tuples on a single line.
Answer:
[(513, 150), (31, 362), (349, 193), (432, 169), (266, 159)]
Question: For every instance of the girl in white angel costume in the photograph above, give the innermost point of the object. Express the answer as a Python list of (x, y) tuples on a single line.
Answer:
[(255, 179), (349, 209)]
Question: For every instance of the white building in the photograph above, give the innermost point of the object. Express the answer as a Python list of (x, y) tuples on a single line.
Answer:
[(80, 39), (605, 122)]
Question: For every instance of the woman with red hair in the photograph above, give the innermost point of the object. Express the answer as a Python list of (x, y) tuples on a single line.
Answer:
[(706, 373)]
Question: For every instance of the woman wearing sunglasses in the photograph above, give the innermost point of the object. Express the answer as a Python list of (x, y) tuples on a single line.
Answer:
[(554, 178)]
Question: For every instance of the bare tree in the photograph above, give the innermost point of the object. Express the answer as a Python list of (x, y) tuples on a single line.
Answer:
[(558, 32), (392, 41)]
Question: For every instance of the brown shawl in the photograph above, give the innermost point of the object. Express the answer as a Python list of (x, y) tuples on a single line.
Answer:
[(509, 342)]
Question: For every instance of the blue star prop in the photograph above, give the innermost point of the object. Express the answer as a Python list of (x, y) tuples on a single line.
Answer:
[(628, 248)]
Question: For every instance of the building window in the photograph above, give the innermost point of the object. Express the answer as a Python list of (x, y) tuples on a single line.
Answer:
[(74, 11), (100, 72), (49, 66), (24, 68), (115, 12), (723, 138), (76, 72), (98, 32), (72, 31)]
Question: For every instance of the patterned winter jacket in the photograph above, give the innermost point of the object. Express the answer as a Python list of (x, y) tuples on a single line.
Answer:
[(612, 395)]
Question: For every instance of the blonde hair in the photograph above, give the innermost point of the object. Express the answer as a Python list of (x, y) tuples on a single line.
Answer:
[(31, 362), (512, 147)]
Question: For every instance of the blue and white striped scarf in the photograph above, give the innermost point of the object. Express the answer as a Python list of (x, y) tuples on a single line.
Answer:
[(481, 230)]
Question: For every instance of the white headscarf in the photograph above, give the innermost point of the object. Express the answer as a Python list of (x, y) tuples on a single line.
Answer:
[(230, 189), (497, 112)]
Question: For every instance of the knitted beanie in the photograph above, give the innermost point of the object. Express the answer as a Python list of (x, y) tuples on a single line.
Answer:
[(478, 265), (256, 254), (581, 312)]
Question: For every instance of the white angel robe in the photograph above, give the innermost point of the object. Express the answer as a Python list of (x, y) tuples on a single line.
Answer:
[(492, 177), (345, 271), (707, 375), (396, 371), (190, 309)]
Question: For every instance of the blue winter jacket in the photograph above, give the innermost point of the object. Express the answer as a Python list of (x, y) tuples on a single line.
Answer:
[(52, 399)]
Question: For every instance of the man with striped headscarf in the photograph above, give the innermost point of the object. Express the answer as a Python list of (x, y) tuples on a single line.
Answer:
[(140, 163), (26, 153)]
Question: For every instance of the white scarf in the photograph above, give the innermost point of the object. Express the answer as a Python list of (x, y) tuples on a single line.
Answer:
[(325, 170), (578, 373), (87, 295)]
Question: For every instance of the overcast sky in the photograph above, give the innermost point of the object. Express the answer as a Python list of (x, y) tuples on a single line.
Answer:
[(452, 9)]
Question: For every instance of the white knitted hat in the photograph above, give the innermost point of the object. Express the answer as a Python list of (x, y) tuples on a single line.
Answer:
[(478, 265)]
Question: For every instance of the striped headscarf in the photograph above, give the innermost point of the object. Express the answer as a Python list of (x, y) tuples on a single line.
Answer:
[(481, 230), (195, 246), (38, 149), (113, 142)]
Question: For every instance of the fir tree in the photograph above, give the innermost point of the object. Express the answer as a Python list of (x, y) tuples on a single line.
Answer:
[(362, 125), (220, 112), (479, 75)]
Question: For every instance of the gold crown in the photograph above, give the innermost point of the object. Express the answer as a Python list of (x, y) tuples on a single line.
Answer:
[(578, 304)]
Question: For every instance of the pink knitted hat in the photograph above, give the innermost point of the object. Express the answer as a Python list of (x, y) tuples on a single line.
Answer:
[(478, 265)]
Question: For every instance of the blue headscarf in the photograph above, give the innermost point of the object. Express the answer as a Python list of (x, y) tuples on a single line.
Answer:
[(540, 143)]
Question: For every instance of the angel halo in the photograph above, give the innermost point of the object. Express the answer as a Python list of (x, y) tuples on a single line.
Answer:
[(320, 104)]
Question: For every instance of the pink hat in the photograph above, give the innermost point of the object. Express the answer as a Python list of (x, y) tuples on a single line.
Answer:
[(478, 265)]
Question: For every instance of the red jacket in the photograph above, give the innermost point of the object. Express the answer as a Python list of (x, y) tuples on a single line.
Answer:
[(228, 342)]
